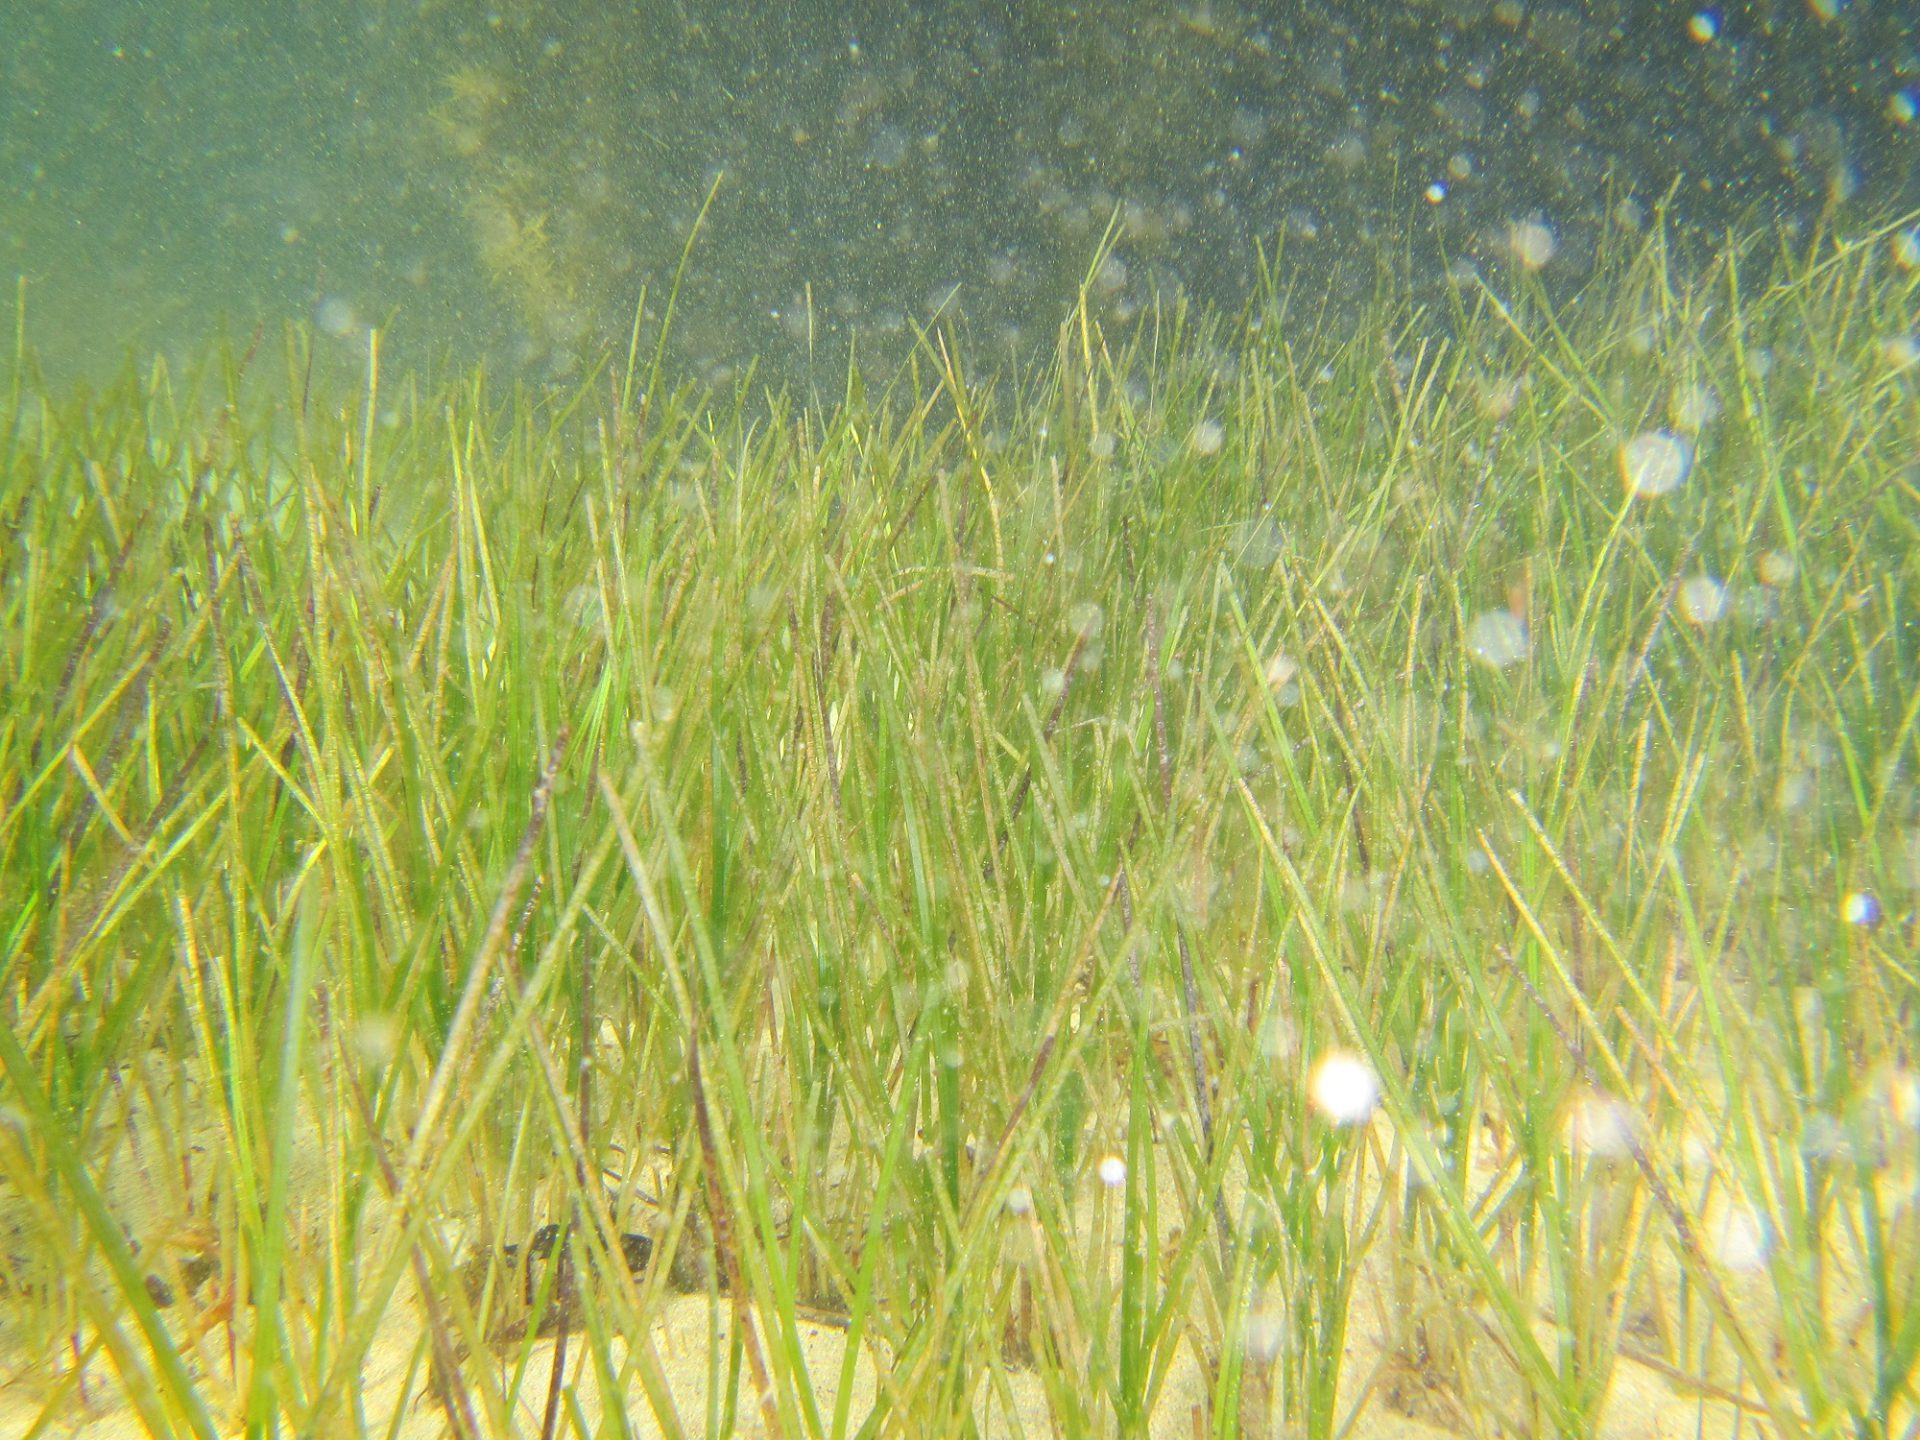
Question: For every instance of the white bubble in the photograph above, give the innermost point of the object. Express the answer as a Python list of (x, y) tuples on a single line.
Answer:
[(1862, 908), (1740, 1239), (1906, 248), (1843, 180), (1902, 352), (1498, 394), (1776, 567), (1655, 462), (1598, 1126), (1020, 1201), (1823, 1137), (1436, 192), (1113, 1172), (1281, 668), (1532, 243), (1247, 127), (377, 1038), (1102, 445), (1794, 791), (1266, 1332), (1703, 599), (1704, 27), (1344, 1089), (335, 316), (887, 149), (1208, 437), (1693, 407), (1348, 153), (1086, 619), (1497, 639), (1902, 1096)]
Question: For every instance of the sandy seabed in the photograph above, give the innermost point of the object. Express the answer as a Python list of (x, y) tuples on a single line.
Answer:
[(688, 1339)]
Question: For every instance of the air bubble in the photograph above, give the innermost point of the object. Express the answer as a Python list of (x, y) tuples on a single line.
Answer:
[(1599, 1127), (1266, 1332), (887, 149), (377, 1038), (1497, 639), (1344, 1088), (1703, 600), (1704, 27), (1655, 462), (1739, 1238), (335, 316), (1532, 242), (1693, 407), (1862, 908), (1794, 791)]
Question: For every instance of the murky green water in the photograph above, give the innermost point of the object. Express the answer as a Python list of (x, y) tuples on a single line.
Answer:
[(501, 183)]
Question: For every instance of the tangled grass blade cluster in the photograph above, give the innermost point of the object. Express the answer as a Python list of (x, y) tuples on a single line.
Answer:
[(1252, 879)]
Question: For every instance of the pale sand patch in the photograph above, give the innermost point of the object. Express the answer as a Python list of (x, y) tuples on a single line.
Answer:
[(394, 1397), (1640, 1407), (1402, 1391)]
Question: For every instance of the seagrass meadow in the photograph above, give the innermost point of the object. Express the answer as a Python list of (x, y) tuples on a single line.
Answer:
[(1262, 876)]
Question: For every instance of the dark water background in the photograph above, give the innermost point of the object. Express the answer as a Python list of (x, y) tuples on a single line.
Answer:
[(498, 183)]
